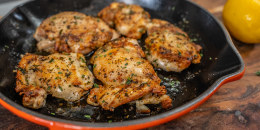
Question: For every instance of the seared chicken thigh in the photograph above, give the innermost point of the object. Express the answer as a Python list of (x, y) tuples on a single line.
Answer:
[(126, 77), (73, 32), (129, 20), (170, 48), (63, 76)]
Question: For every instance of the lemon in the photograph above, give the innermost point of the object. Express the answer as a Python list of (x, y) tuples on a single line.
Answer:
[(242, 19)]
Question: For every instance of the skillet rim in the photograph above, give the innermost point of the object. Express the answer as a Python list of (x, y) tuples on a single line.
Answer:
[(53, 122)]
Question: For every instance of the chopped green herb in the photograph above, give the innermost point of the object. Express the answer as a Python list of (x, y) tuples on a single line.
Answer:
[(60, 88), (127, 50), (96, 85), (180, 34), (59, 72), (22, 70), (142, 30), (57, 77), (104, 50), (53, 113), (94, 66), (103, 101), (126, 64), (83, 76), (51, 60), (122, 67), (195, 56), (133, 75), (110, 53), (193, 40), (174, 83), (128, 81), (81, 39), (68, 74), (49, 87), (60, 31), (35, 68), (179, 53), (98, 20), (167, 79), (87, 116), (139, 62), (201, 54), (258, 73), (82, 59), (155, 60), (27, 81), (76, 17)]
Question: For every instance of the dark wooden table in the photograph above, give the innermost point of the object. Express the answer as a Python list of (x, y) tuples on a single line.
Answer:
[(235, 105)]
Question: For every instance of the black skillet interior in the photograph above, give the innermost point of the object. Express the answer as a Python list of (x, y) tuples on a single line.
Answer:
[(219, 59)]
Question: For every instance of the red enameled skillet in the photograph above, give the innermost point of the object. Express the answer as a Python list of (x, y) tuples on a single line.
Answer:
[(221, 63)]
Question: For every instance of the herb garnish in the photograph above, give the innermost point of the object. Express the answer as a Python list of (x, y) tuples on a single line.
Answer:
[(82, 59), (60, 88), (258, 73), (22, 70), (129, 79), (94, 66), (76, 17), (180, 34), (51, 60), (179, 53), (87, 116), (96, 85), (83, 76), (60, 31)]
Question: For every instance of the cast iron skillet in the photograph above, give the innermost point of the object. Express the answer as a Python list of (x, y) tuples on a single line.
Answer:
[(221, 63)]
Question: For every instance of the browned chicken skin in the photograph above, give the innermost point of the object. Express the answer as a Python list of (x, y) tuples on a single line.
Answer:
[(64, 76), (169, 47), (129, 20), (73, 32), (126, 77)]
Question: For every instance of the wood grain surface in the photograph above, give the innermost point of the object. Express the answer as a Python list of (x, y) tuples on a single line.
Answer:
[(235, 105)]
